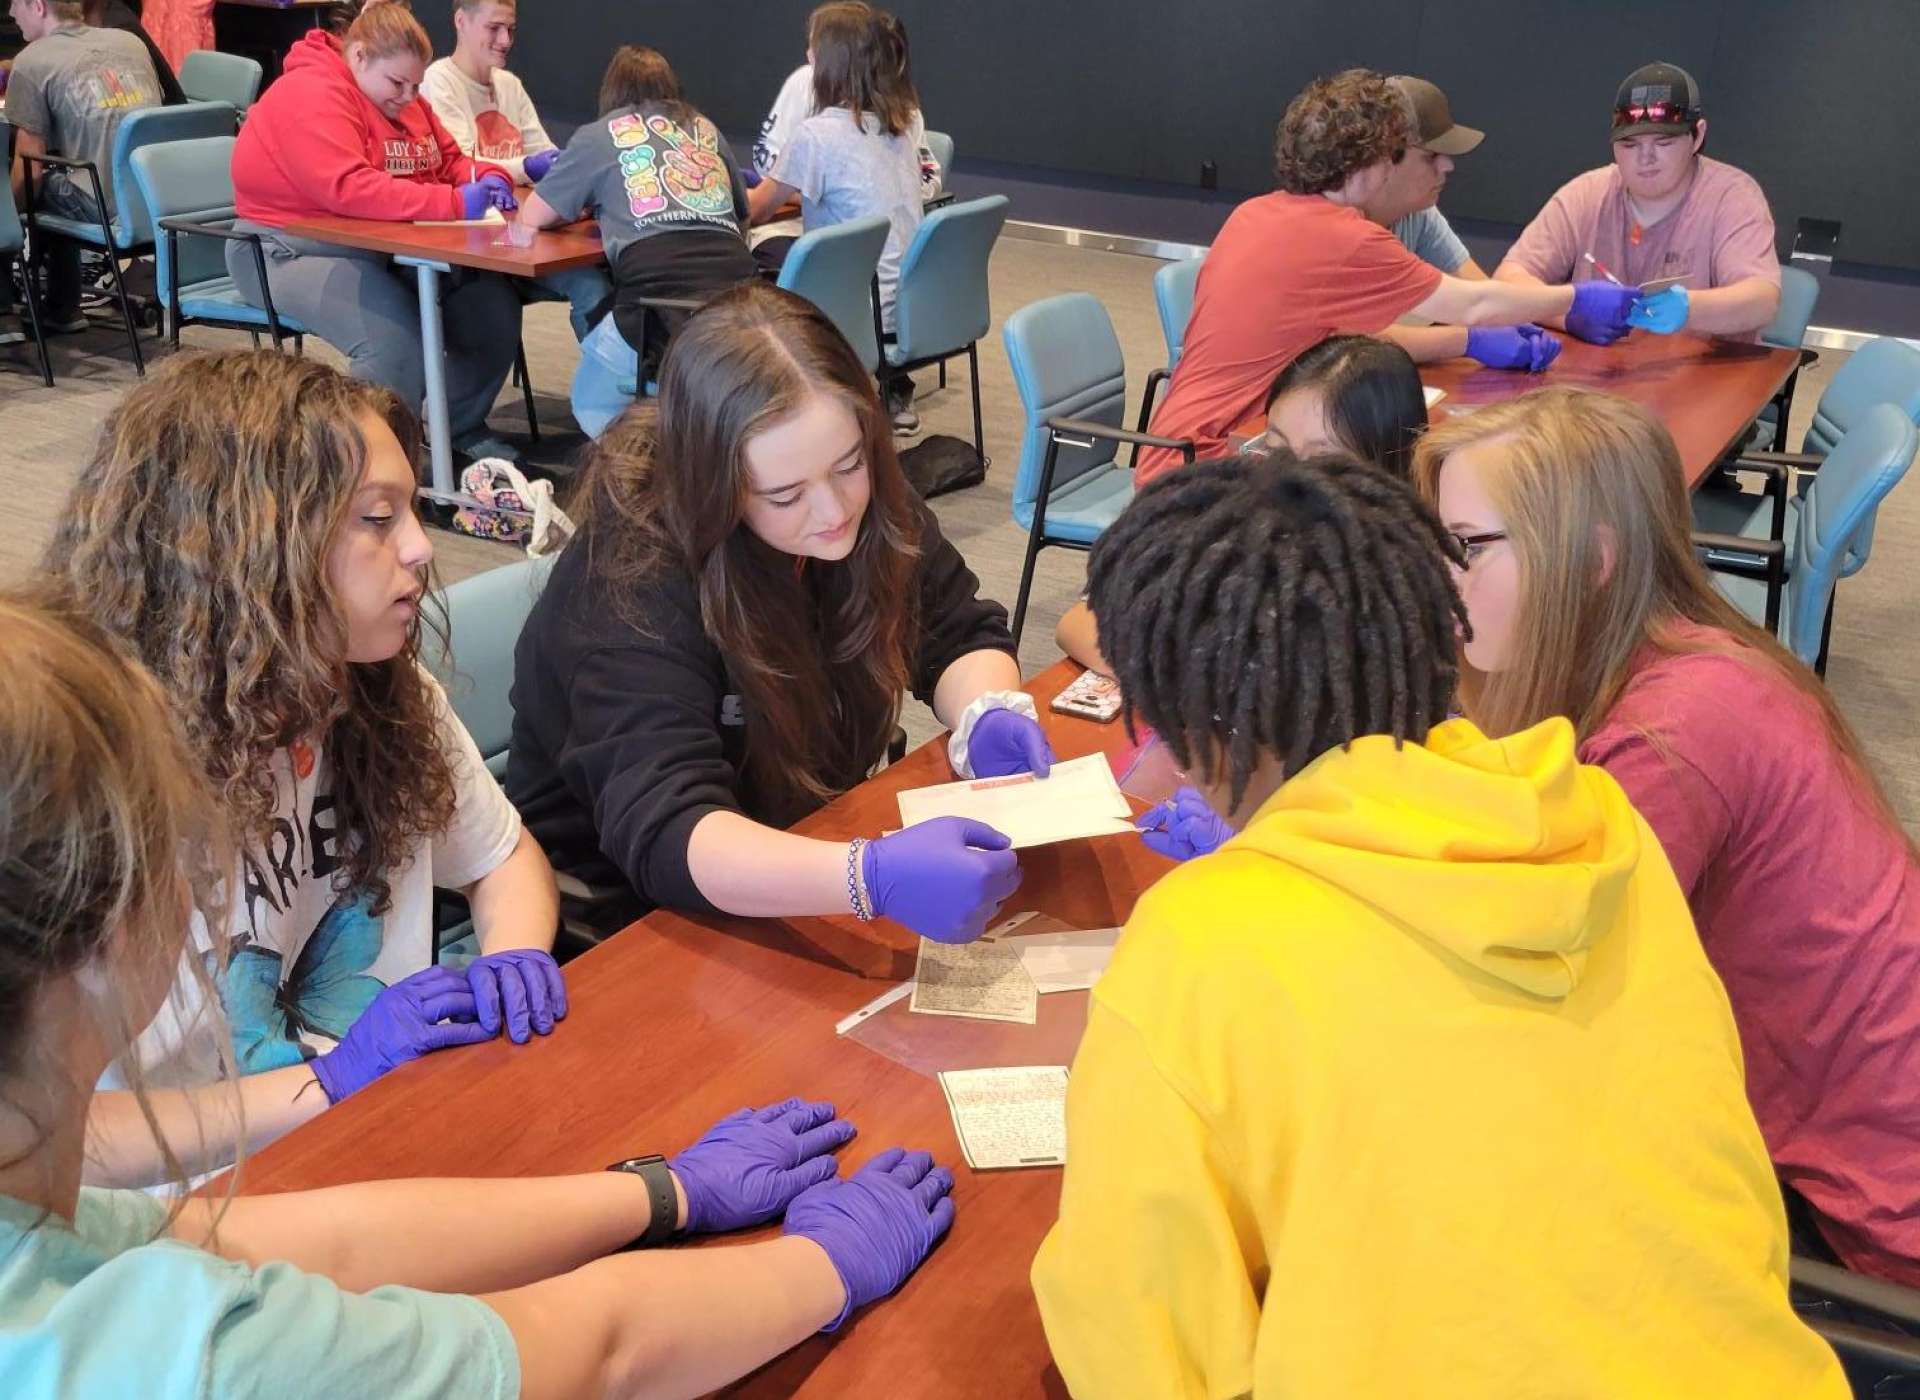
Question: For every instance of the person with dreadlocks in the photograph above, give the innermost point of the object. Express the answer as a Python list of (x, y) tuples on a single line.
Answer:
[(1421, 1083)]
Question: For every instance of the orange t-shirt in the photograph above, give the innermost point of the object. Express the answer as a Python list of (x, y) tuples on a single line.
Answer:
[(1286, 271)]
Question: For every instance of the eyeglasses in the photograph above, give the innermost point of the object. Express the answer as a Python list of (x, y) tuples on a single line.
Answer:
[(1473, 546), (1660, 113)]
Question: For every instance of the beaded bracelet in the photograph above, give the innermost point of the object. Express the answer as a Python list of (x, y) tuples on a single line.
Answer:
[(856, 887)]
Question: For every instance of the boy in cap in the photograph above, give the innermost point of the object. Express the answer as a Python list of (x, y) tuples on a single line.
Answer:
[(1660, 210)]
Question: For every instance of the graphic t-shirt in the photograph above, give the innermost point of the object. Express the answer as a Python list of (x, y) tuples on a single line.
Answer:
[(645, 170), (304, 956), (73, 87), (494, 121)]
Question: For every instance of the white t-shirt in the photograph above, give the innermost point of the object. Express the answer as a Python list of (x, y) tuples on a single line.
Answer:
[(495, 123), (304, 958), (844, 171)]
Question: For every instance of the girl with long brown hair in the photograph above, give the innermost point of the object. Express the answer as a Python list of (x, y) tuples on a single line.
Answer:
[(474, 1289), (246, 526), (723, 647), (1586, 600)]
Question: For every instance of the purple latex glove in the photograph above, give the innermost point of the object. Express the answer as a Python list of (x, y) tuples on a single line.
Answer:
[(750, 177), (521, 987), (1005, 741), (877, 1225), (417, 1015), (1663, 313), (1600, 308), (750, 1164), (944, 879), (1184, 826), (1526, 347), (490, 191), (538, 164)]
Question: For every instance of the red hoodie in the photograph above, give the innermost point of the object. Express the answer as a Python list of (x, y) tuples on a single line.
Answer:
[(313, 145)]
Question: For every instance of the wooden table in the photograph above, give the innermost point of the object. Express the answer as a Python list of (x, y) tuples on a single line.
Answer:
[(677, 1021), (1706, 391), (431, 250)]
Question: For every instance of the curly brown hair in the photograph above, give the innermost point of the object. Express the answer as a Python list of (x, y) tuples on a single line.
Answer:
[(1336, 126), (199, 534)]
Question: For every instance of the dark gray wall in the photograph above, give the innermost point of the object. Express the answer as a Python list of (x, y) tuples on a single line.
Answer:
[(1817, 100)]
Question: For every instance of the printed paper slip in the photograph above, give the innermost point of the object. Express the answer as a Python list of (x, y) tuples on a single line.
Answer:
[(1009, 1117), (986, 981), (492, 216), (1079, 798), (1066, 962)]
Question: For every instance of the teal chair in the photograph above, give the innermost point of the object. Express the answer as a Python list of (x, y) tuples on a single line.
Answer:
[(941, 145), (1799, 294), (1072, 380), (1786, 577), (485, 613), (835, 269), (129, 231), (188, 189), (1173, 288), (13, 245), (206, 75), (941, 307)]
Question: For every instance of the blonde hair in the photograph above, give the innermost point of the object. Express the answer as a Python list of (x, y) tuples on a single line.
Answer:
[(108, 836), (1598, 518), (387, 28)]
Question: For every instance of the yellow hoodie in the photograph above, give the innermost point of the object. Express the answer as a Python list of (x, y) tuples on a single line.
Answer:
[(1421, 1086)]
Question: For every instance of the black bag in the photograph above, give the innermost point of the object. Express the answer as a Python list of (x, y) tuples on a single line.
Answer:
[(941, 464)]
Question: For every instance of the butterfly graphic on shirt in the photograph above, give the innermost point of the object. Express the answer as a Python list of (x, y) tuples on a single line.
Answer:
[(327, 990)]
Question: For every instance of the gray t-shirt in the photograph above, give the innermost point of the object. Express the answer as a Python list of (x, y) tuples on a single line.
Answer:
[(640, 172), (847, 172), (73, 87), (1429, 237)]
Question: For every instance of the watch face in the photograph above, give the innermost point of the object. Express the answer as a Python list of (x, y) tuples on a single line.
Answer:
[(635, 1163)]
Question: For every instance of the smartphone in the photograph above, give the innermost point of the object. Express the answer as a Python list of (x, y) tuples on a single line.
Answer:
[(1093, 696)]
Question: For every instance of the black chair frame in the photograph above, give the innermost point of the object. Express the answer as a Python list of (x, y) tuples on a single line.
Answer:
[(176, 225), (113, 254)]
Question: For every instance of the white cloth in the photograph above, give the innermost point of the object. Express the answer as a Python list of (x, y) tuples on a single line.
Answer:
[(494, 122), (304, 957)]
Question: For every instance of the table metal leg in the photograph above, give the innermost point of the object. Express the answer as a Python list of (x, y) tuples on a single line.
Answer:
[(434, 351)]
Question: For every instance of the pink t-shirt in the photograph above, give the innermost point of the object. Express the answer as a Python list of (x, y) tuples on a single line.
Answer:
[(1722, 232), (1808, 906)]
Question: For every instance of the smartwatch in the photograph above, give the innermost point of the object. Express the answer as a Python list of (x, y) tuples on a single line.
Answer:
[(664, 1221)]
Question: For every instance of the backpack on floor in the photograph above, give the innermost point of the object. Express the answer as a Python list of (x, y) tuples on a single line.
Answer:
[(511, 508), (940, 464)]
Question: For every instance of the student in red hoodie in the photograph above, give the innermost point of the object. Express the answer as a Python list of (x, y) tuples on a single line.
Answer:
[(345, 132)]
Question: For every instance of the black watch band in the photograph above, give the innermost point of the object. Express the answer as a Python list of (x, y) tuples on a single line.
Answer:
[(664, 1221)]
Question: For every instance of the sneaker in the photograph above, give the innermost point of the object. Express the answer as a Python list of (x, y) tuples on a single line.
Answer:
[(906, 423), (11, 337), (485, 444)]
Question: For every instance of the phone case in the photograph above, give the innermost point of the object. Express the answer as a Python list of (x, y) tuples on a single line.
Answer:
[(1093, 696)]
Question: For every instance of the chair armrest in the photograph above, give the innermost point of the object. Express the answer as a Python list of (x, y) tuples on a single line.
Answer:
[(939, 201), (64, 163), (1891, 1299), (1739, 544), (208, 228), (1779, 461), (1081, 427), (59, 162), (671, 303)]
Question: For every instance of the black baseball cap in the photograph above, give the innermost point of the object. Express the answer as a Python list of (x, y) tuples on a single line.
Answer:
[(1434, 128), (1659, 97)]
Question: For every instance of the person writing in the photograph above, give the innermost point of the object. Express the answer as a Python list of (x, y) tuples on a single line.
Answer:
[(1662, 209), (723, 647), (1293, 267), (1436, 1086), (523, 1289)]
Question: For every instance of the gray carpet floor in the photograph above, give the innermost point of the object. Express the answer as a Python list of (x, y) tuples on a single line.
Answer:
[(45, 435)]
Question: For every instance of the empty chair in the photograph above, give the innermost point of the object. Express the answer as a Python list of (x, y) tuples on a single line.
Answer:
[(207, 75), (1072, 380), (129, 232), (13, 244), (1788, 577), (941, 307), (188, 189), (1173, 288), (834, 268)]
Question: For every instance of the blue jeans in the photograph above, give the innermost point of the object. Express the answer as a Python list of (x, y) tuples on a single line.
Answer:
[(607, 380), (583, 288)]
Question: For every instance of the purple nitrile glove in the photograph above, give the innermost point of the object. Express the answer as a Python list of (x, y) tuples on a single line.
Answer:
[(538, 164), (431, 1010), (521, 987), (878, 1224), (1004, 742), (1525, 347), (1184, 826), (1600, 308), (944, 879), (490, 191), (1663, 313), (749, 1165), (750, 177)]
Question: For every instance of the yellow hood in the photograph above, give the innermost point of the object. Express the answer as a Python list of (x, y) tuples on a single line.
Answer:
[(1508, 853)]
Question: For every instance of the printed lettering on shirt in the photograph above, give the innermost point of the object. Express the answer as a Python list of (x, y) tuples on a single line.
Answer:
[(407, 156), (114, 90), (496, 138), (671, 174), (732, 711)]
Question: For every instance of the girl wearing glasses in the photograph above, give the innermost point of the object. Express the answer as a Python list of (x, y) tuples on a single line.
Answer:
[(1585, 600)]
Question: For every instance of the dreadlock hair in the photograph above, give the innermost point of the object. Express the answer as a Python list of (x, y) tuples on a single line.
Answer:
[(1276, 606)]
